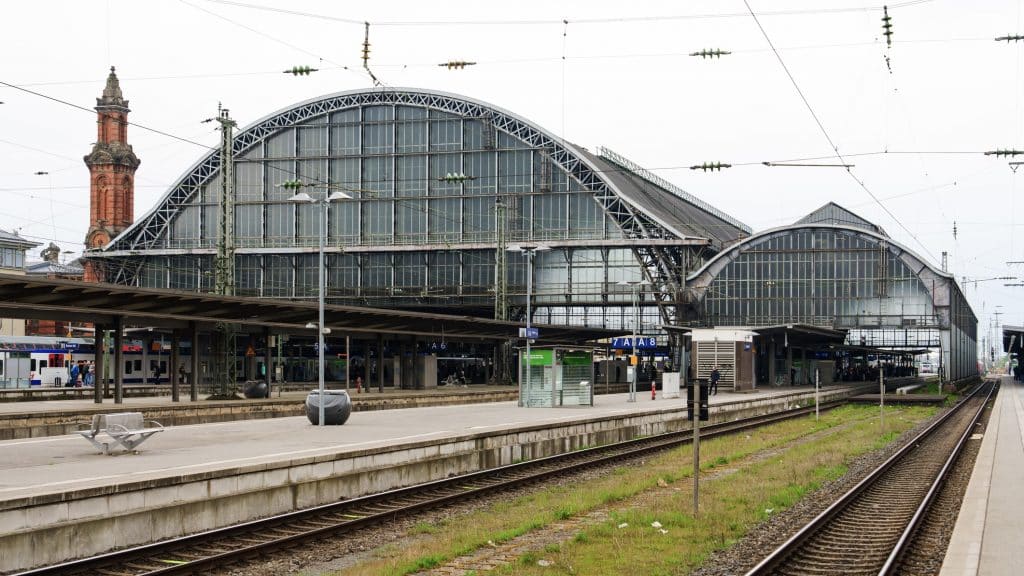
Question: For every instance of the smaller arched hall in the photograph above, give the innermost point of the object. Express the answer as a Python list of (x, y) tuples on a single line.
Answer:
[(830, 281)]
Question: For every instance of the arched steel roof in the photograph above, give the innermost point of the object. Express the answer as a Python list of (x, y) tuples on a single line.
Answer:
[(635, 220), (702, 278)]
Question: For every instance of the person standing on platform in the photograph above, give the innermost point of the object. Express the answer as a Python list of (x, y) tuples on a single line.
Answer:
[(90, 373), (715, 375)]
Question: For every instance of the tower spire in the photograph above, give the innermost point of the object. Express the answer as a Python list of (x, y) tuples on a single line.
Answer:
[(112, 93), (112, 164)]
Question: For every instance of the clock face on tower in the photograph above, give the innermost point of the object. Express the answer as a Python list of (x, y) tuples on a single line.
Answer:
[(98, 239)]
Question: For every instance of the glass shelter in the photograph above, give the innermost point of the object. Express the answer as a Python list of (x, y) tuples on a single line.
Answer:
[(556, 376)]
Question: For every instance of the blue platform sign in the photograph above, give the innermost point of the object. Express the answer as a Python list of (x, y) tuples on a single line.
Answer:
[(642, 343), (531, 333), (69, 345)]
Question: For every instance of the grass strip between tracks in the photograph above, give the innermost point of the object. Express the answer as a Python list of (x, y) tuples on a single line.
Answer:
[(744, 479)]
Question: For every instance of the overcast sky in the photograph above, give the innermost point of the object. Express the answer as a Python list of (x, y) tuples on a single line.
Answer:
[(617, 75)]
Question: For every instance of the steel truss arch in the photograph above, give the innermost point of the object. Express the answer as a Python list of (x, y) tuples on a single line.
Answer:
[(955, 320), (661, 265)]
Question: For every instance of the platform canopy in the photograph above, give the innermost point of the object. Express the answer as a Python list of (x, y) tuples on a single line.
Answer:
[(1012, 336), (802, 335), (28, 297)]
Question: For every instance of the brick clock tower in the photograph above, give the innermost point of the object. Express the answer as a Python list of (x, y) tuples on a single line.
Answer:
[(112, 165)]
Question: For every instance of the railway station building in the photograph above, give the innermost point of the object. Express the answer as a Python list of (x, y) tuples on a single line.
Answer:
[(451, 199)]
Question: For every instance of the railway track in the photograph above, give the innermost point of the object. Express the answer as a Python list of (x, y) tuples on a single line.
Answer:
[(867, 531), (204, 552)]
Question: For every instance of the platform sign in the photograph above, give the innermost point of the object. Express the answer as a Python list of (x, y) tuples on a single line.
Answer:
[(538, 358), (577, 358), (642, 343), (531, 333), (69, 345)]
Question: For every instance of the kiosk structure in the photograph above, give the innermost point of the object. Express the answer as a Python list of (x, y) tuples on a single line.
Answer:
[(556, 376)]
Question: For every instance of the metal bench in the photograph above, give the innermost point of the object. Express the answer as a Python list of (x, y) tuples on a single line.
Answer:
[(127, 429)]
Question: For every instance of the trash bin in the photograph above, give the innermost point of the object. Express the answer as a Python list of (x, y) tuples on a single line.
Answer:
[(256, 389), (337, 407)]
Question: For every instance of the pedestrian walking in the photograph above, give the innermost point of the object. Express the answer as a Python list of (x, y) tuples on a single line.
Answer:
[(715, 375)]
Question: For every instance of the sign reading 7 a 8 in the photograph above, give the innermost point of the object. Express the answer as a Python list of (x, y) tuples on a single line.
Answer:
[(642, 343)]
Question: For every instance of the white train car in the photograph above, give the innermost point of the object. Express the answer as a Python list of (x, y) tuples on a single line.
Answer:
[(47, 361), (39, 360)]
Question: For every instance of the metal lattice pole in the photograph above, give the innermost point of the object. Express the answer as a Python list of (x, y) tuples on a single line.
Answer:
[(502, 350), (224, 264), (322, 282)]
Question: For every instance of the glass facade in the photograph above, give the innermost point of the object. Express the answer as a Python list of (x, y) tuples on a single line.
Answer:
[(823, 277), (416, 233), (12, 258), (839, 277)]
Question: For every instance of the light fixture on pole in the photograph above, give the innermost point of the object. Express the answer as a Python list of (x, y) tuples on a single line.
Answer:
[(49, 186), (529, 251), (321, 329), (635, 287)]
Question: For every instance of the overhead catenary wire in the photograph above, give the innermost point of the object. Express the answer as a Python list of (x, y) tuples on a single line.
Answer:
[(670, 167), (545, 22), (278, 168), (92, 111), (271, 38), (292, 172), (482, 62), (828, 138)]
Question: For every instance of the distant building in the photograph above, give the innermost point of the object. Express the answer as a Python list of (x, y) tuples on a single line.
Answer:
[(51, 268), (12, 261)]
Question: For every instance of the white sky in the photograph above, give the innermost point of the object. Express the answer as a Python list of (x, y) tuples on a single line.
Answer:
[(627, 82)]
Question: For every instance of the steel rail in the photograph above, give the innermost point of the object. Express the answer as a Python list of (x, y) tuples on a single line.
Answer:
[(778, 557), (902, 545), (161, 557)]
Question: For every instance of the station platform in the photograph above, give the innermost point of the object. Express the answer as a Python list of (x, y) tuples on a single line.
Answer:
[(986, 540), (49, 417), (192, 478)]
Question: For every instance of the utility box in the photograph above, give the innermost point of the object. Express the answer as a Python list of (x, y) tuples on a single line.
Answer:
[(670, 385), (730, 349), (556, 376)]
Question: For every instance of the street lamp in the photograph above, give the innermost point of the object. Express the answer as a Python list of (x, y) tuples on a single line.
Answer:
[(321, 329), (529, 251), (635, 287), (49, 185)]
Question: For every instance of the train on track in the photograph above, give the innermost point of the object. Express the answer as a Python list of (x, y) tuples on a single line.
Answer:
[(47, 361)]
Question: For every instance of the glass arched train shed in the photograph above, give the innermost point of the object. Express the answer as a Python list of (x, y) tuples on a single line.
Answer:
[(439, 183), (834, 269)]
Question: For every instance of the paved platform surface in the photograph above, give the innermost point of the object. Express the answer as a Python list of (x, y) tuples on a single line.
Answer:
[(987, 538), (56, 464), (136, 403)]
